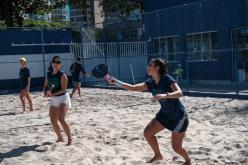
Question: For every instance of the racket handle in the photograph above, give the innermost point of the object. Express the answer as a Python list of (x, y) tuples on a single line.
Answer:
[(50, 90), (116, 82), (106, 77)]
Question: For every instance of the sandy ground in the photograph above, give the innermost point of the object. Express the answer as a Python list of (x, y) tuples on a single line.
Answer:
[(108, 125)]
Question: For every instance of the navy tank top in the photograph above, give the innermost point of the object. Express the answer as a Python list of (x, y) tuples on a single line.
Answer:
[(54, 81)]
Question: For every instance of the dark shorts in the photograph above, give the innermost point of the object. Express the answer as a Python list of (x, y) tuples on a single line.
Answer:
[(176, 126), (76, 83)]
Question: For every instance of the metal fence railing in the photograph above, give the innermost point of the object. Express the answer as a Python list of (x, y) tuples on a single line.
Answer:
[(126, 60)]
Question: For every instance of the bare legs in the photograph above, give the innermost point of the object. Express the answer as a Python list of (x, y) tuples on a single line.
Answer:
[(176, 140), (25, 94), (54, 116), (63, 112), (58, 114), (22, 98), (76, 88), (150, 131)]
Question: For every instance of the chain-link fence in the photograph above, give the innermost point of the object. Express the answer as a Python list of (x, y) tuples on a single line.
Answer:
[(205, 44), (126, 60)]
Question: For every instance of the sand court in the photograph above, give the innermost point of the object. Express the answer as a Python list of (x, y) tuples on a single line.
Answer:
[(107, 128)]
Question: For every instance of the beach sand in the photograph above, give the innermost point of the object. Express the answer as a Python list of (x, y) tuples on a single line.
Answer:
[(107, 128)]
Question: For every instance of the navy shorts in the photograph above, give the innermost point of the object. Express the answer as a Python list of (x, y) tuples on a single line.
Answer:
[(76, 83), (176, 126)]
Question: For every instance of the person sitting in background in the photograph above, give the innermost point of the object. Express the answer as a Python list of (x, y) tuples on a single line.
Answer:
[(77, 69), (24, 81)]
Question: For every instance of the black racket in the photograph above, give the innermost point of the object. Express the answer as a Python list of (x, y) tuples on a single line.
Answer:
[(101, 71)]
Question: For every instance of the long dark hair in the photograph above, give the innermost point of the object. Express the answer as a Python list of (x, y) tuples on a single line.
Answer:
[(163, 67), (50, 68)]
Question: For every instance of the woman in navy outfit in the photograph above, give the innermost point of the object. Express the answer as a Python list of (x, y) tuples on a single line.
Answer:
[(172, 114)]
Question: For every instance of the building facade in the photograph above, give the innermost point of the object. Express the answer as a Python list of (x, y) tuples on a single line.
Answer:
[(127, 28), (77, 17), (60, 14)]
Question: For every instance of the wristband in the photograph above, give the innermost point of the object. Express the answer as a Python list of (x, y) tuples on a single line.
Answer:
[(118, 83)]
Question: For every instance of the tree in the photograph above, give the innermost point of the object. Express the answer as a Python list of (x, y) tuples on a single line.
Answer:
[(13, 11)]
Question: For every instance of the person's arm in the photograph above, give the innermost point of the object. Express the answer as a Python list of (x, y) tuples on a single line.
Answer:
[(27, 73), (137, 87), (64, 83), (45, 88), (28, 83), (82, 71), (175, 94)]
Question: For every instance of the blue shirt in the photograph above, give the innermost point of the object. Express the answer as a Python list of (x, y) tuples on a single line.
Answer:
[(24, 74), (173, 109)]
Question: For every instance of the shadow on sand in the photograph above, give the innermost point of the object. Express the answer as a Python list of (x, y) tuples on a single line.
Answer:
[(19, 151)]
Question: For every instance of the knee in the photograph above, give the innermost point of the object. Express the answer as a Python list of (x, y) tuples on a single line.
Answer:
[(54, 121), (147, 134), (29, 99), (177, 148), (62, 120)]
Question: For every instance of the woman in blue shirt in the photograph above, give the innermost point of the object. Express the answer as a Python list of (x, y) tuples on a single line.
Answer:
[(172, 114), (24, 81)]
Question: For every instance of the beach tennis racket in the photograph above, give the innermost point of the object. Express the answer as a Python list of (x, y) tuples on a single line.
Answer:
[(50, 90), (101, 71)]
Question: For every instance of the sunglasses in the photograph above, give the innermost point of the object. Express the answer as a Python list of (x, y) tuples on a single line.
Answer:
[(150, 64), (56, 62)]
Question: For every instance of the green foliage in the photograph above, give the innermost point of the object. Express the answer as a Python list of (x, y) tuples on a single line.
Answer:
[(2, 24), (43, 24), (13, 11)]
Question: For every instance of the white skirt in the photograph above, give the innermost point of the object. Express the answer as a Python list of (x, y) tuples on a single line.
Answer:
[(64, 99)]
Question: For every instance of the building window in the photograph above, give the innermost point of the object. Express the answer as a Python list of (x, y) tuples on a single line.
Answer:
[(242, 41), (202, 46), (242, 46), (156, 45), (130, 35), (168, 47)]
